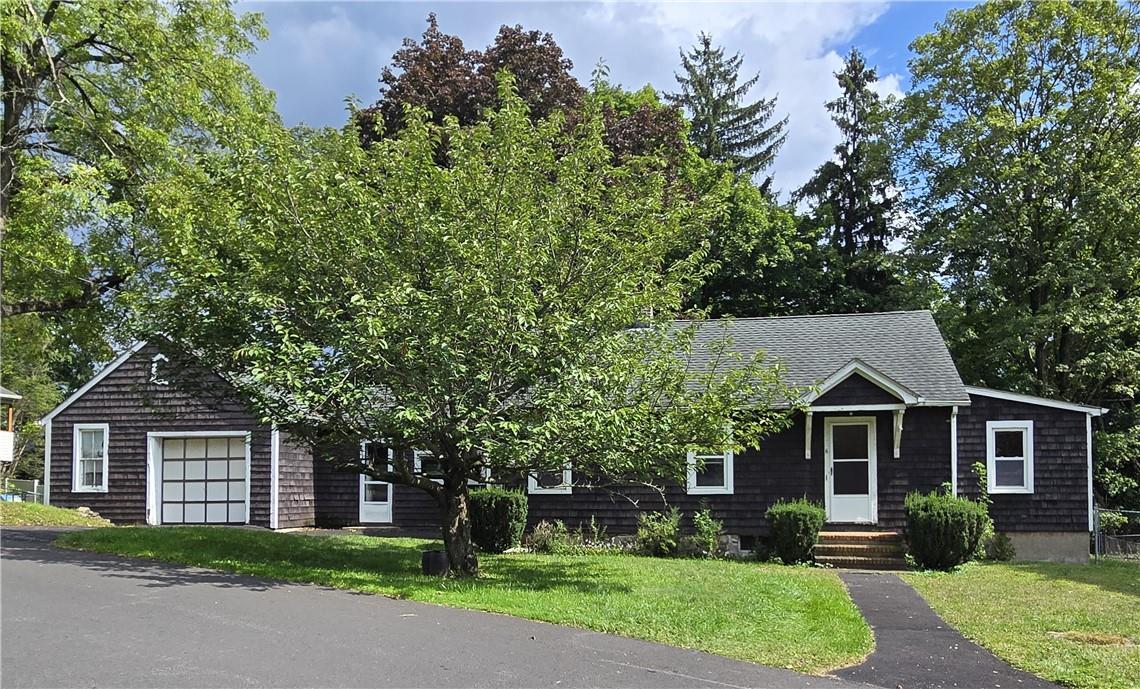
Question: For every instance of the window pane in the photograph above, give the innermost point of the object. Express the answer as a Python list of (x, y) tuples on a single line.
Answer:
[(429, 465), (91, 443), (849, 442), (1009, 443), (375, 492), (550, 479), (1009, 472), (851, 478), (713, 472)]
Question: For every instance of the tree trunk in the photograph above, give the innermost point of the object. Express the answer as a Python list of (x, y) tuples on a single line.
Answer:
[(457, 532)]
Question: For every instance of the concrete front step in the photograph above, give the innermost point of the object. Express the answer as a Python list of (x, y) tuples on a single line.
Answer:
[(861, 562), (870, 549)]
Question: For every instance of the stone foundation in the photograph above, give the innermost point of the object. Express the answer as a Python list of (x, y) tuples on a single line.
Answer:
[(1064, 546)]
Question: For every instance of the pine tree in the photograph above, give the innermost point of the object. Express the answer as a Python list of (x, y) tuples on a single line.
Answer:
[(726, 128), (853, 196)]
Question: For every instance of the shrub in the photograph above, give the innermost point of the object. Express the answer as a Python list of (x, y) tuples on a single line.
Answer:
[(1113, 523), (943, 531), (793, 529), (999, 548), (498, 518), (549, 537), (658, 533), (708, 530)]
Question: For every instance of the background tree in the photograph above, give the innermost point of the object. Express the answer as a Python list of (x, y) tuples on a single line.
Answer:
[(481, 310), (726, 128), (1022, 129), (103, 102), (854, 199), (440, 75)]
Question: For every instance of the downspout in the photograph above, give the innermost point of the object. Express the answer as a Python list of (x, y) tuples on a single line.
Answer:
[(954, 450)]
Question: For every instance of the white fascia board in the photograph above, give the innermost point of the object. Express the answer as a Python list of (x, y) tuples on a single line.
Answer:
[(857, 366), (106, 371), (1035, 400)]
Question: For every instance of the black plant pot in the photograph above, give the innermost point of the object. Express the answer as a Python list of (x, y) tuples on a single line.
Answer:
[(434, 562)]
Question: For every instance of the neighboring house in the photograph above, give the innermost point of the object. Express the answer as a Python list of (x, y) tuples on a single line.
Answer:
[(149, 441)]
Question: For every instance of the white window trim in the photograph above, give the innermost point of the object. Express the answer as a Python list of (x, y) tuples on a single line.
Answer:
[(1026, 427), (724, 489), (76, 487), (566, 488), (418, 463)]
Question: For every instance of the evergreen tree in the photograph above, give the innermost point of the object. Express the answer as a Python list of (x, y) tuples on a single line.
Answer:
[(853, 197), (726, 128)]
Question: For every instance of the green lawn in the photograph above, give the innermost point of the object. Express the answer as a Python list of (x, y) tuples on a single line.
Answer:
[(35, 514), (782, 616), (1078, 625)]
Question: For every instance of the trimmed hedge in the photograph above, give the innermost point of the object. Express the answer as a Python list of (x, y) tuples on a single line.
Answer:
[(498, 518), (793, 529), (943, 531)]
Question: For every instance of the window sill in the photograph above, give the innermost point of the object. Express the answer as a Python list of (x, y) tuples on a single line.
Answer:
[(550, 491), (88, 490), (1010, 491), (708, 490)]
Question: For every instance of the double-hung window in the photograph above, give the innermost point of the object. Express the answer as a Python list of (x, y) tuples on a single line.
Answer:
[(427, 465), (89, 461), (710, 474), (1009, 456)]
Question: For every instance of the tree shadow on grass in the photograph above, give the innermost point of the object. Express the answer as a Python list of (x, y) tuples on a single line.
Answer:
[(261, 560), (1120, 577)]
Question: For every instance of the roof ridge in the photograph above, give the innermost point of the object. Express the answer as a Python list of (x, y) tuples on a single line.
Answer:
[(801, 316)]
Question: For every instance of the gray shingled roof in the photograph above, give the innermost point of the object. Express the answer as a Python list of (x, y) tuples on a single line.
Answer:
[(903, 345)]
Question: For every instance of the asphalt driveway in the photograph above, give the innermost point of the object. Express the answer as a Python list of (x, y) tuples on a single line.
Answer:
[(85, 619)]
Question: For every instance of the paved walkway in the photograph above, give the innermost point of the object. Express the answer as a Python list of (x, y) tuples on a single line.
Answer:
[(916, 649), (72, 619)]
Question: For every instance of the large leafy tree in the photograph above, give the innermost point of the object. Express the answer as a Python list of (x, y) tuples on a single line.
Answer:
[(481, 310), (103, 103), (1022, 129), (854, 199), (726, 127), (442, 76)]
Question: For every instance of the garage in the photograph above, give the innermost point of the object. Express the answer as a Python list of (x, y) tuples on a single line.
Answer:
[(205, 479)]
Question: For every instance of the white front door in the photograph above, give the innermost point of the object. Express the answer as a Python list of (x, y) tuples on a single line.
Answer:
[(850, 476), (375, 496)]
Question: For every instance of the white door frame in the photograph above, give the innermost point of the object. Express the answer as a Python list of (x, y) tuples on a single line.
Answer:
[(154, 466), (872, 463), (378, 515)]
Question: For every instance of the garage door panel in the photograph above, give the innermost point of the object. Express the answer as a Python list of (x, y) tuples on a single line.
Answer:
[(204, 480), (172, 513)]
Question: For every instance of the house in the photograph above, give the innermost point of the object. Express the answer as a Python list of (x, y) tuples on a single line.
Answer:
[(144, 441)]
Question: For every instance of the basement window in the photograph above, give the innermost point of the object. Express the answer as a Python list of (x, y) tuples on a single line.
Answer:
[(1009, 456)]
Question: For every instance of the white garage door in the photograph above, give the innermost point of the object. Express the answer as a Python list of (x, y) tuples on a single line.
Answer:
[(203, 480)]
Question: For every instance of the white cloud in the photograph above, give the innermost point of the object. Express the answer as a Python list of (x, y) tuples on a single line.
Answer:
[(320, 53)]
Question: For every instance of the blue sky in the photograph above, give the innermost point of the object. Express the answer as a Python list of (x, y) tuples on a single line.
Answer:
[(321, 53)]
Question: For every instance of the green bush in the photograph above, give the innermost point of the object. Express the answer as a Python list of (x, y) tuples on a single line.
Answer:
[(943, 531), (793, 529), (498, 518), (658, 533), (707, 533), (1113, 523), (549, 537), (999, 548)]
